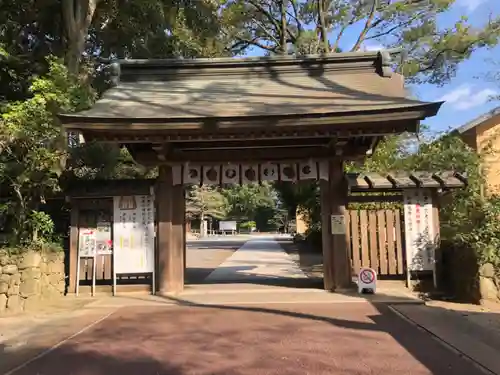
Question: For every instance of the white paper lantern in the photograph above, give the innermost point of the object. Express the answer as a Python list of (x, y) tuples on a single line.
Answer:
[(192, 174), (231, 174), (288, 172), (308, 170), (249, 174), (211, 174), (269, 172)]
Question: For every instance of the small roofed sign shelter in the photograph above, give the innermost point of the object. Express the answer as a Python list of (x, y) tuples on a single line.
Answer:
[(329, 108)]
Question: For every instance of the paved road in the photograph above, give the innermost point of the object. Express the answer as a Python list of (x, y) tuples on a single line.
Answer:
[(260, 260), (333, 339), (290, 336), (204, 256)]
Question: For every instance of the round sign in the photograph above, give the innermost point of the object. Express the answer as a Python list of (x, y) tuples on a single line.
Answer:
[(193, 173), (230, 173), (250, 174), (367, 276), (212, 174), (288, 172)]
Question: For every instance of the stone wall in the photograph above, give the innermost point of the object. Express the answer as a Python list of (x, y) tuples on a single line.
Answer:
[(30, 279), (489, 283)]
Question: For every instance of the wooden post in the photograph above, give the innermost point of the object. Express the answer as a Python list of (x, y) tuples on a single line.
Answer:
[(184, 231), (438, 256), (326, 237), (340, 242), (170, 252), (73, 247), (177, 248)]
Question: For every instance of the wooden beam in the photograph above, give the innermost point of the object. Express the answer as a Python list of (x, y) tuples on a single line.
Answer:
[(255, 143), (326, 238), (170, 255), (262, 155), (340, 241), (177, 248), (73, 247)]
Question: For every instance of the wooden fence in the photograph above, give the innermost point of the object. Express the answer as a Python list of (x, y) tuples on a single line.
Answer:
[(376, 241)]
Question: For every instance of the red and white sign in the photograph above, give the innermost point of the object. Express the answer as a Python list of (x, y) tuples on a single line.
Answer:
[(367, 280), (419, 230)]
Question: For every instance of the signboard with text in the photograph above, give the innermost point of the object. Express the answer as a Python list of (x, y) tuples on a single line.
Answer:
[(419, 230), (337, 224), (133, 234), (87, 242)]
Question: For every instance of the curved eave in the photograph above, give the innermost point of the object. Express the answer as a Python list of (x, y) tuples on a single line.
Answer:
[(407, 113)]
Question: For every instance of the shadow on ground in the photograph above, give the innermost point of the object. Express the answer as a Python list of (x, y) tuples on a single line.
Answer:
[(244, 275), (193, 339)]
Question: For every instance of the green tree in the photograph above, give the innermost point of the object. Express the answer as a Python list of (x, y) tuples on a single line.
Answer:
[(316, 26), (493, 76), (245, 200), (203, 201), (33, 147)]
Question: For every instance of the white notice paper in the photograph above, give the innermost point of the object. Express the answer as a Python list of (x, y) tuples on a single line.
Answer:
[(419, 230), (133, 234)]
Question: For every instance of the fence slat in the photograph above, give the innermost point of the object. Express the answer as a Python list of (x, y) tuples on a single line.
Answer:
[(99, 272), (365, 251), (382, 242), (347, 217), (372, 228), (391, 251), (107, 267), (83, 269), (399, 244), (355, 249)]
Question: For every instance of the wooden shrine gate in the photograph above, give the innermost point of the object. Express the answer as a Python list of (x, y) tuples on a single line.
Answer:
[(331, 109)]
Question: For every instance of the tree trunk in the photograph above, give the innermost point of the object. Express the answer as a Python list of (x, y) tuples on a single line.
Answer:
[(284, 27), (323, 34), (202, 223), (77, 17)]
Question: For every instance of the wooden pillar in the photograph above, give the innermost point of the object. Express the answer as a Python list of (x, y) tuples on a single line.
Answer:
[(326, 237), (438, 255), (184, 231), (73, 247), (170, 239), (340, 241), (178, 235), (336, 257)]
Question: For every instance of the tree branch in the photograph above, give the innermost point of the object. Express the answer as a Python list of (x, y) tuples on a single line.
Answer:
[(387, 32), (365, 30), (267, 14), (263, 28), (254, 42)]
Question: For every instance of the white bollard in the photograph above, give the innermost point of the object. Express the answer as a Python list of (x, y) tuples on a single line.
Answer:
[(367, 281)]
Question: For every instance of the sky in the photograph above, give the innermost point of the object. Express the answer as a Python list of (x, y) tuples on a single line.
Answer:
[(468, 94)]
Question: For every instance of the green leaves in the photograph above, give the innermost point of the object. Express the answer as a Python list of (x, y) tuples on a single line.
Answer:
[(203, 201), (243, 201), (33, 148), (434, 49)]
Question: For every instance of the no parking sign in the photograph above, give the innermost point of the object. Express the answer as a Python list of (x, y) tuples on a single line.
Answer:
[(367, 280)]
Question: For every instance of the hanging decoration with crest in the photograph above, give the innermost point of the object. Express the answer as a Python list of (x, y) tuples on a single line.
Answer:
[(248, 173)]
